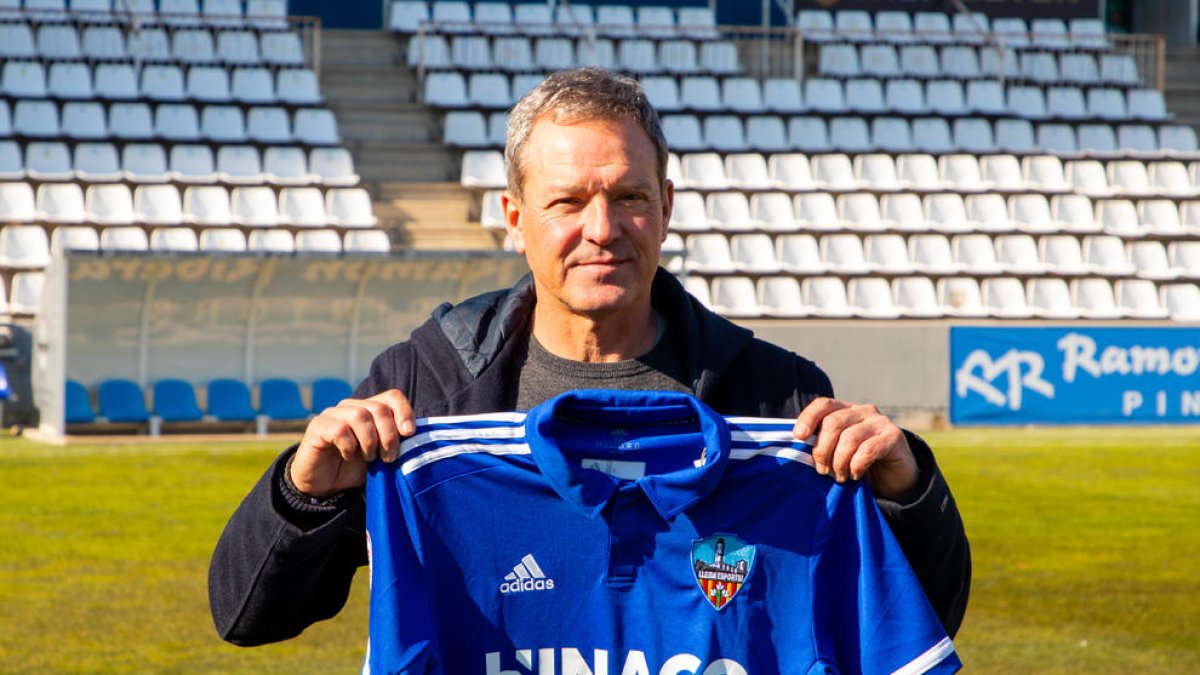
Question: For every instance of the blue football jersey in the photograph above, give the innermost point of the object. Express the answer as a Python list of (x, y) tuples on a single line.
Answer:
[(633, 533)]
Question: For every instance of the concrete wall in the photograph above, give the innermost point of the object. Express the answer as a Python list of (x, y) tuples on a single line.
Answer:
[(897, 365)]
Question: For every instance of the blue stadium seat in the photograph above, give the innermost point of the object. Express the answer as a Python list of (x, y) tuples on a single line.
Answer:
[(122, 401), (328, 392), (229, 401), (175, 401), (279, 399), (79, 407)]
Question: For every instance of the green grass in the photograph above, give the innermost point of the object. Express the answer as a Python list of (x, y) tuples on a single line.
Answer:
[(104, 563), (1085, 546)]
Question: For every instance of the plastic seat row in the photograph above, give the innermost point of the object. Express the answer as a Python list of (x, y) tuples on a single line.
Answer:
[(920, 297), (938, 255), (905, 96), (102, 162), (897, 26), (943, 212), (25, 249), (963, 173), (971, 63), (520, 54), (989, 213), (856, 134), (255, 13), (25, 295), (63, 42), (173, 400), (502, 18), (123, 82), (176, 122), (116, 204)]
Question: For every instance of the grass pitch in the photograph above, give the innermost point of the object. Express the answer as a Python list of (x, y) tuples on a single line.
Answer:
[(1085, 548)]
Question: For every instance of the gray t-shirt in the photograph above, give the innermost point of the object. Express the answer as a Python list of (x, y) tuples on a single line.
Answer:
[(544, 375)]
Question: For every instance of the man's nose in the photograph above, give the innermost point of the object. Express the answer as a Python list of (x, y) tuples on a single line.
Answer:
[(599, 224)]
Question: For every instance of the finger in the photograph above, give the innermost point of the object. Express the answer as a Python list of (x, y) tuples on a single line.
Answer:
[(343, 437), (869, 452), (828, 434), (383, 416), (358, 418), (810, 418), (850, 443), (402, 412)]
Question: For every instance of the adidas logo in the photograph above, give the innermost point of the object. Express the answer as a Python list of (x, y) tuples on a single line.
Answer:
[(526, 576)]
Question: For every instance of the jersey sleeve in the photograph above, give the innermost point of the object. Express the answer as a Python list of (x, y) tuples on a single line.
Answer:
[(871, 614), (401, 625)]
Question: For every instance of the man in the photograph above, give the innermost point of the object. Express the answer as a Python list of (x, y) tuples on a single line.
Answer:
[(588, 205)]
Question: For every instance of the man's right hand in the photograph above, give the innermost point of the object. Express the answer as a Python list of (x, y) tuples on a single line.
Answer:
[(339, 442)]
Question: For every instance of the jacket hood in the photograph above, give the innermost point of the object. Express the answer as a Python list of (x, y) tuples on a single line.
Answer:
[(478, 328)]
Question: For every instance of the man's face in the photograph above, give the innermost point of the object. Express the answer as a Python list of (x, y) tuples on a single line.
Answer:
[(592, 216)]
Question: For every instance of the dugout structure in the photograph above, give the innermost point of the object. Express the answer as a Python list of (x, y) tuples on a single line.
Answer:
[(249, 318)]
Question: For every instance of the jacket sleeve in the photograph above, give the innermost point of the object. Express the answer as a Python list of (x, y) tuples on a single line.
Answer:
[(278, 568), (283, 563), (930, 531)]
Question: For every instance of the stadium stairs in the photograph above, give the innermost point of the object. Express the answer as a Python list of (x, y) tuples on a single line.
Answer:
[(411, 176), (1182, 86)]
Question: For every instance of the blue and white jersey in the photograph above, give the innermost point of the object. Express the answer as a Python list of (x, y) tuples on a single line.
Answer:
[(633, 533)]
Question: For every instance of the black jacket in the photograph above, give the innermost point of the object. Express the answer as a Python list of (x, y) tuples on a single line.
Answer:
[(283, 563)]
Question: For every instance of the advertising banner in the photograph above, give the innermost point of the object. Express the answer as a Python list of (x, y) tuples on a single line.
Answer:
[(1074, 375)]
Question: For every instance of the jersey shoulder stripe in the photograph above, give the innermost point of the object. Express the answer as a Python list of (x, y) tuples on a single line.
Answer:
[(752, 437)]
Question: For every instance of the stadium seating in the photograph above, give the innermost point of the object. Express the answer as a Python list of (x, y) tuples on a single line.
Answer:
[(927, 166), (110, 115), (78, 408), (904, 127), (279, 399), (122, 401), (229, 401), (328, 392), (174, 401)]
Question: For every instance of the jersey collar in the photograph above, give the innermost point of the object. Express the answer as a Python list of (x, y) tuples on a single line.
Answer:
[(589, 490)]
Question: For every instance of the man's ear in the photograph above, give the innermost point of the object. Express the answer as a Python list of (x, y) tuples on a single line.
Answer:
[(668, 204), (512, 221)]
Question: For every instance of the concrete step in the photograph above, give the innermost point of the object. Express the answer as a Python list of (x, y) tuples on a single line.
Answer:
[(389, 124), (367, 86), (412, 177), (399, 162), (435, 201), (360, 47), (447, 237)]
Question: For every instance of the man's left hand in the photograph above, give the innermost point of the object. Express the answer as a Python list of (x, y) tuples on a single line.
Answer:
[(855, 440)]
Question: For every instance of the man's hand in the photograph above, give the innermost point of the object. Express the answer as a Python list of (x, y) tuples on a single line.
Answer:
[(853, 440), (339, 442)]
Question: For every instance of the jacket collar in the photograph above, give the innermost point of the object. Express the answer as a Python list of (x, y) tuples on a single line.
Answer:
[(479, 328), (590, 490)]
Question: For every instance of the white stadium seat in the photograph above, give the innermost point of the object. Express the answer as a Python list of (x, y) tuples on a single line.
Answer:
[(207, 205), (961, 297), (224, 239), (350, 207)]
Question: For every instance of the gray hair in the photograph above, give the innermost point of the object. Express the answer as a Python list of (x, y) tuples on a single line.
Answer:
[(581, 94)]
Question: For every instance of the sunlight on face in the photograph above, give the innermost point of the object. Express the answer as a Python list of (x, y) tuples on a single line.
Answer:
[(592, 216)]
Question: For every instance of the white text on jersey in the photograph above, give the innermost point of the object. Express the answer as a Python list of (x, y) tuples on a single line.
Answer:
[(569, 661)]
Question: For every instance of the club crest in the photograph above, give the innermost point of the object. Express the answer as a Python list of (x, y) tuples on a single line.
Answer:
[(721, 563)]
